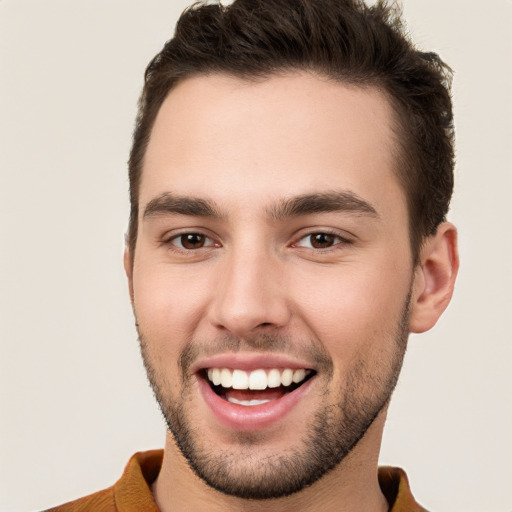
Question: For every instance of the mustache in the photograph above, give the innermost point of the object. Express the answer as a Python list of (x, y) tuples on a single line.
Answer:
[(277, 344)]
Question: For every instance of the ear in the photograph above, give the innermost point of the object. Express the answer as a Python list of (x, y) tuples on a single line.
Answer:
[(128, 268), (434, 278)]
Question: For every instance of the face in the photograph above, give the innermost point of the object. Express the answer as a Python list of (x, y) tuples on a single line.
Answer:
[(272, 275)]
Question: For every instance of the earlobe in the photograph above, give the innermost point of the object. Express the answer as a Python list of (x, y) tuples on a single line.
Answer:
[(434, 278)]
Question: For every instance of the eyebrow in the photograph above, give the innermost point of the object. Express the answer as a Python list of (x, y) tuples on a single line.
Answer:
[(306, 204), (169, 204), (323, 202)]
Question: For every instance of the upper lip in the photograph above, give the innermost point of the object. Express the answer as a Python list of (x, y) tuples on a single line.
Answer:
[(248, 362)]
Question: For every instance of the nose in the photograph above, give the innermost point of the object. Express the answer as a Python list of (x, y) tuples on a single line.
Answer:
[(250, 295)]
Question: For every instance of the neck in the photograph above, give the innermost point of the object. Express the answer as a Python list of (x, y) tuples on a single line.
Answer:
[(351, 486)]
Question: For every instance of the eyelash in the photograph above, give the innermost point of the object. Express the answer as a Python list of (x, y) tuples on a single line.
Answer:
[(170, 241), (336, 240)]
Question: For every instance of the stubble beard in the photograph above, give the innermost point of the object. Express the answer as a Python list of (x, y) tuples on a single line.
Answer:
[(331, 435)]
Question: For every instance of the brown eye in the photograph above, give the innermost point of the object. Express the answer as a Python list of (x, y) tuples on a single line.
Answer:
[(190, 241), (322, 240)]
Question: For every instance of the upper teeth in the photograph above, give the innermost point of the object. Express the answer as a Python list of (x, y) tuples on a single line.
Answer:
[(256, 379)]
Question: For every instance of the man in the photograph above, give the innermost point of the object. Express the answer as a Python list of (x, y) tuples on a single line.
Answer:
[(291, 171)]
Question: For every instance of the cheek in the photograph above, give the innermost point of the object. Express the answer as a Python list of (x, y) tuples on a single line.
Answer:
[(352, 310), (167, 302)]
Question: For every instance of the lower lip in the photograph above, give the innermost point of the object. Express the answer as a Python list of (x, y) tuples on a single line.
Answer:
[(255, 417)]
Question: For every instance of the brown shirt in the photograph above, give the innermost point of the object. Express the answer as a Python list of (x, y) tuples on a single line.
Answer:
[(132, 492)]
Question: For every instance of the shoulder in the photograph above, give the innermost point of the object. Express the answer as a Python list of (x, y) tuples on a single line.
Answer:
[(395, 487), (132, 492), (102, 501)]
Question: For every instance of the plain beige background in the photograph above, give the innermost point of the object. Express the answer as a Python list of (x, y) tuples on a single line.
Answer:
[(74, 399)]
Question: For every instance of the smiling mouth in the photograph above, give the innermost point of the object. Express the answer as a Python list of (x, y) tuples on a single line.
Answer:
[(256, 387)]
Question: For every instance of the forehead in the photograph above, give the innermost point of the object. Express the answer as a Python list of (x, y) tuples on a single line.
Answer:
[(225, 138)]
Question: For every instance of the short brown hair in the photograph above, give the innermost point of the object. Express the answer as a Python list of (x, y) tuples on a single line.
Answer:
[(345, 40)]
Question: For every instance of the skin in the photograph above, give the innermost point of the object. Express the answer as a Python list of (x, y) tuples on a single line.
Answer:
[(247, 148)]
